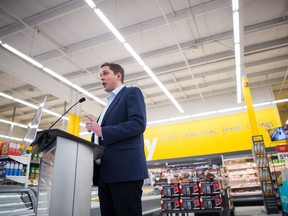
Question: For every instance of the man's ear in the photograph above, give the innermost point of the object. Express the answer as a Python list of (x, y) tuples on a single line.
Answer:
[(119, 75)]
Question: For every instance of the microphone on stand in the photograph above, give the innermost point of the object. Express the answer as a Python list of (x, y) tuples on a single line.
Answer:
[(80, 101)]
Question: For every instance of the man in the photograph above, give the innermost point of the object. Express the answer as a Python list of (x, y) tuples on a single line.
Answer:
[(120, 129)]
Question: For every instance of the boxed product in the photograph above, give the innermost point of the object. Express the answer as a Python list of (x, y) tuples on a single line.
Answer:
[(172, 203), (9, 148), (216, 186), (4, 168), (187, 189), (208, 202), (189, 203), (212, 202), (207, 187), (170, 190)]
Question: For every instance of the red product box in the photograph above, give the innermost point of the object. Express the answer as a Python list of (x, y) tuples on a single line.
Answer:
[(187, 189), (9, 148), (216, 186), (218, 201), (170, 190), (207, 187), (208, 203), (172, 203), (188, 203)]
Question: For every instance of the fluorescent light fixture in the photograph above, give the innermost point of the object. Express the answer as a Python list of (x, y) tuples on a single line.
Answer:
[(179, 118), (59, 77), (20, 54), (12, 138), (286, 122), (25, 103), (52, 73), (12, 123), (280, 101), (91, 3), (237, 55), (78, 88), (6, 96), (204, 114), (109, 25), (262, 104), (134, 54), (235, 5), (51, 113), (236, 27), (229, 109), (152, 75), (238, 84), (158, 121), (237, 48)]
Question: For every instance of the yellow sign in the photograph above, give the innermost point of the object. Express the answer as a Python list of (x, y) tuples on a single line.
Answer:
[(257, 138), (219, 134)]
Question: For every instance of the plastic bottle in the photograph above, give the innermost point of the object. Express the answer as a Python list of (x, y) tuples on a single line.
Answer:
[(20, 170)]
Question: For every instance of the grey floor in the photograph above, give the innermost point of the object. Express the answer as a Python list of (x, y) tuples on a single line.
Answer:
[(252, 211), (246, 211)]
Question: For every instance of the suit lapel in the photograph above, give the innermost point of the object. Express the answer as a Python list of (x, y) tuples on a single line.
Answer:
[(113, 104)]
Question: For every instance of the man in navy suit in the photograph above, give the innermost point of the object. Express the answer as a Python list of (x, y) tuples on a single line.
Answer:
[(122, 169)]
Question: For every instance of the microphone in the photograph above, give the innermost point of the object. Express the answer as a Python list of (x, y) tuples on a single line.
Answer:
[(80, 101)]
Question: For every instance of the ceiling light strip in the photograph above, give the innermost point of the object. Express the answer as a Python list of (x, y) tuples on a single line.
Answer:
[(237, 48), (52, 73), (133, 53), (11, 138)]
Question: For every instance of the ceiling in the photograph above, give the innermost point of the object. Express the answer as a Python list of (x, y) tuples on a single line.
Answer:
[(188, 44)]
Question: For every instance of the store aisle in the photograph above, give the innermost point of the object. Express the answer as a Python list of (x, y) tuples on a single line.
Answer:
[(252, 211)]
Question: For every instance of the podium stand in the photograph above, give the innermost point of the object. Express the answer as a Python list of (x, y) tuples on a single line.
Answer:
[(66, 169)]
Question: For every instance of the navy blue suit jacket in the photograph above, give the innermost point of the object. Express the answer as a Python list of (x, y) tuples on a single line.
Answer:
[(123, 126)]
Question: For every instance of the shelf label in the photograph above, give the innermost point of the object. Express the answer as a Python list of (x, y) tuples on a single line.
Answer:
[(257, 138), (283, 156)]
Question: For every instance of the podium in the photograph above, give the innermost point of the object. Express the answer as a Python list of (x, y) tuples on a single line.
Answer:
[(66, 169)]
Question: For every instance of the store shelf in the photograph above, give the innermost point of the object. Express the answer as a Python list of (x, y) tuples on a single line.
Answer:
[(21, 159), (25, 160), (18, 179), (246, 188)]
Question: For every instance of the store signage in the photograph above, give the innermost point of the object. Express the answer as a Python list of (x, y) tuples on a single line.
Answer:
[(282, 148), (219, 134), (283, 156)]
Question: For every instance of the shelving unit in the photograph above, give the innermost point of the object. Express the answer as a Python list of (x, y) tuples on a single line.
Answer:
[(243, 179), (25, 160), (195, 189), (268, 190), (276, 168)]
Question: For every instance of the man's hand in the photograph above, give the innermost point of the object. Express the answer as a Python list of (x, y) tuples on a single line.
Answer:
[(92, 125)]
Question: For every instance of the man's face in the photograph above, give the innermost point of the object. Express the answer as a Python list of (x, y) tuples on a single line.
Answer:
[(109, 80)]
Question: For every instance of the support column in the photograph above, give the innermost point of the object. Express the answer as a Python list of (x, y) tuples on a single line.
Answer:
[(74, 124), (249, 104)]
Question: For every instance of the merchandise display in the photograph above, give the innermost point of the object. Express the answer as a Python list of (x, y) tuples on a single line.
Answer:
[(195, 189), (15, 169), (243, 180), (268, 189)]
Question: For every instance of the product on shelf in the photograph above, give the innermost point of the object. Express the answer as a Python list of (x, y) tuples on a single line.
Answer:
[(170, 203), (190, 203), (196, 188)]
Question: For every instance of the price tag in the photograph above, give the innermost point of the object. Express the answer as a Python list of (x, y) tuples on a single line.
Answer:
[(283, 156)]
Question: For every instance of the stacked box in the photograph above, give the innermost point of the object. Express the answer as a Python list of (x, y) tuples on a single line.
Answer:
[(189, 203), (170, 190), (188, 189), (170, 203)]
